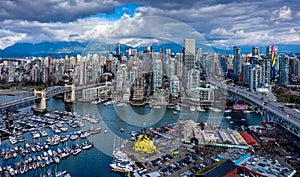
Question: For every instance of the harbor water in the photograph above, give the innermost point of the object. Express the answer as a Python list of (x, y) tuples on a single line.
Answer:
[(95, 161)]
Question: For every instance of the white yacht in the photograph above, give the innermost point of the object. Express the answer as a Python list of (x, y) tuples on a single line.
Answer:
[(124, 167)]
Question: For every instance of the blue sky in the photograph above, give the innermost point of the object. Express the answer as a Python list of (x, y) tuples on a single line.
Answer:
[(222, 23), (119, 11)]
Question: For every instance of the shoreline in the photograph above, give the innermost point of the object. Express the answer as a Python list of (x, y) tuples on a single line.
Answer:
[(14, 92)]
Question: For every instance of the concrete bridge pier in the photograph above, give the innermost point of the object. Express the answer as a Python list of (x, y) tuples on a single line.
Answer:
[(40, 104), (69, 97)]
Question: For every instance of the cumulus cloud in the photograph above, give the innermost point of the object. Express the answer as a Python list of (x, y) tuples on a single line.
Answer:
[(54, 10), (221, 22), (283, 13), (8, 37)]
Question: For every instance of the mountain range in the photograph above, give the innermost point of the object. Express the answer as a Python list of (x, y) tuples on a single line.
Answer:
[(60, 49)]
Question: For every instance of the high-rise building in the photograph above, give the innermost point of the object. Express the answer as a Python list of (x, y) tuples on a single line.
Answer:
[(110, 48), (237, 62), (189, 53), (255, 51), (157, 72), (138, 89), (246, 73), (297, 67), (174, 86), (255, 77), (121, 77), (284, 69), (133, 74), (171, 71), (193, 79), (271, 54), (118, 49), (265, 64)]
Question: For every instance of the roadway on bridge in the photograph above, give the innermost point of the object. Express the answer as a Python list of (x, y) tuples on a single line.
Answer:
[(262, 100)]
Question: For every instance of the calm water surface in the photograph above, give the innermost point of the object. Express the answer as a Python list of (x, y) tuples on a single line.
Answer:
[(95, 162)]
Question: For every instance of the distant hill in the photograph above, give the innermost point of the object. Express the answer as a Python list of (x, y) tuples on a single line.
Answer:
[(42, 49), (60, 49), (282, 49)]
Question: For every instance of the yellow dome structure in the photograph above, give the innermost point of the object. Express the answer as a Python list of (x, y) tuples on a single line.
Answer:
[(144, 144)]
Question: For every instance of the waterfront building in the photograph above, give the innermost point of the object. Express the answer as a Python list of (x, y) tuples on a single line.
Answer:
[(204, 94), (237, 62), (284, 69), (255, 77), (94, 92), (138, 89)]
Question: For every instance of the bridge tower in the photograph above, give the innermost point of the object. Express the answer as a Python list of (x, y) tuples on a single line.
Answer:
[(40, 104), (69, 97)]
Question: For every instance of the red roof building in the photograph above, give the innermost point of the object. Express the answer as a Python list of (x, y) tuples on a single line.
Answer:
[(250, 140)]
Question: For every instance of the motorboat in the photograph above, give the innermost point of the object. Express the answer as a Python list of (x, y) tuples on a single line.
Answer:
[(123, 167), (228, 110), (61, 173), (246, 111), (216, 109), (87, 145), (200, 109), (228, 117)]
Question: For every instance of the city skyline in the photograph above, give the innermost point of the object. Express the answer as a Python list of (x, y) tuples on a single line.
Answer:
[(223, 25)]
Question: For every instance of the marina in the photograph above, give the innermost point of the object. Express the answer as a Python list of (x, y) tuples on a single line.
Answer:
[(108, 125), (51, 141)]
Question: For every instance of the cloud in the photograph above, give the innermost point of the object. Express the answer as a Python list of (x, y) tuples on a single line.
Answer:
[(54, 10), (8, 37), (221, 22), (283, 13), (221, 32)]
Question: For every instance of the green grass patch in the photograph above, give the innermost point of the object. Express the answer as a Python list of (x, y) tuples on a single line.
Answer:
[(36, 87)]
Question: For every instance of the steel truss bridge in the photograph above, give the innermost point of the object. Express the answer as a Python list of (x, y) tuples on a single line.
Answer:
[(271, 110), (48, 93)]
